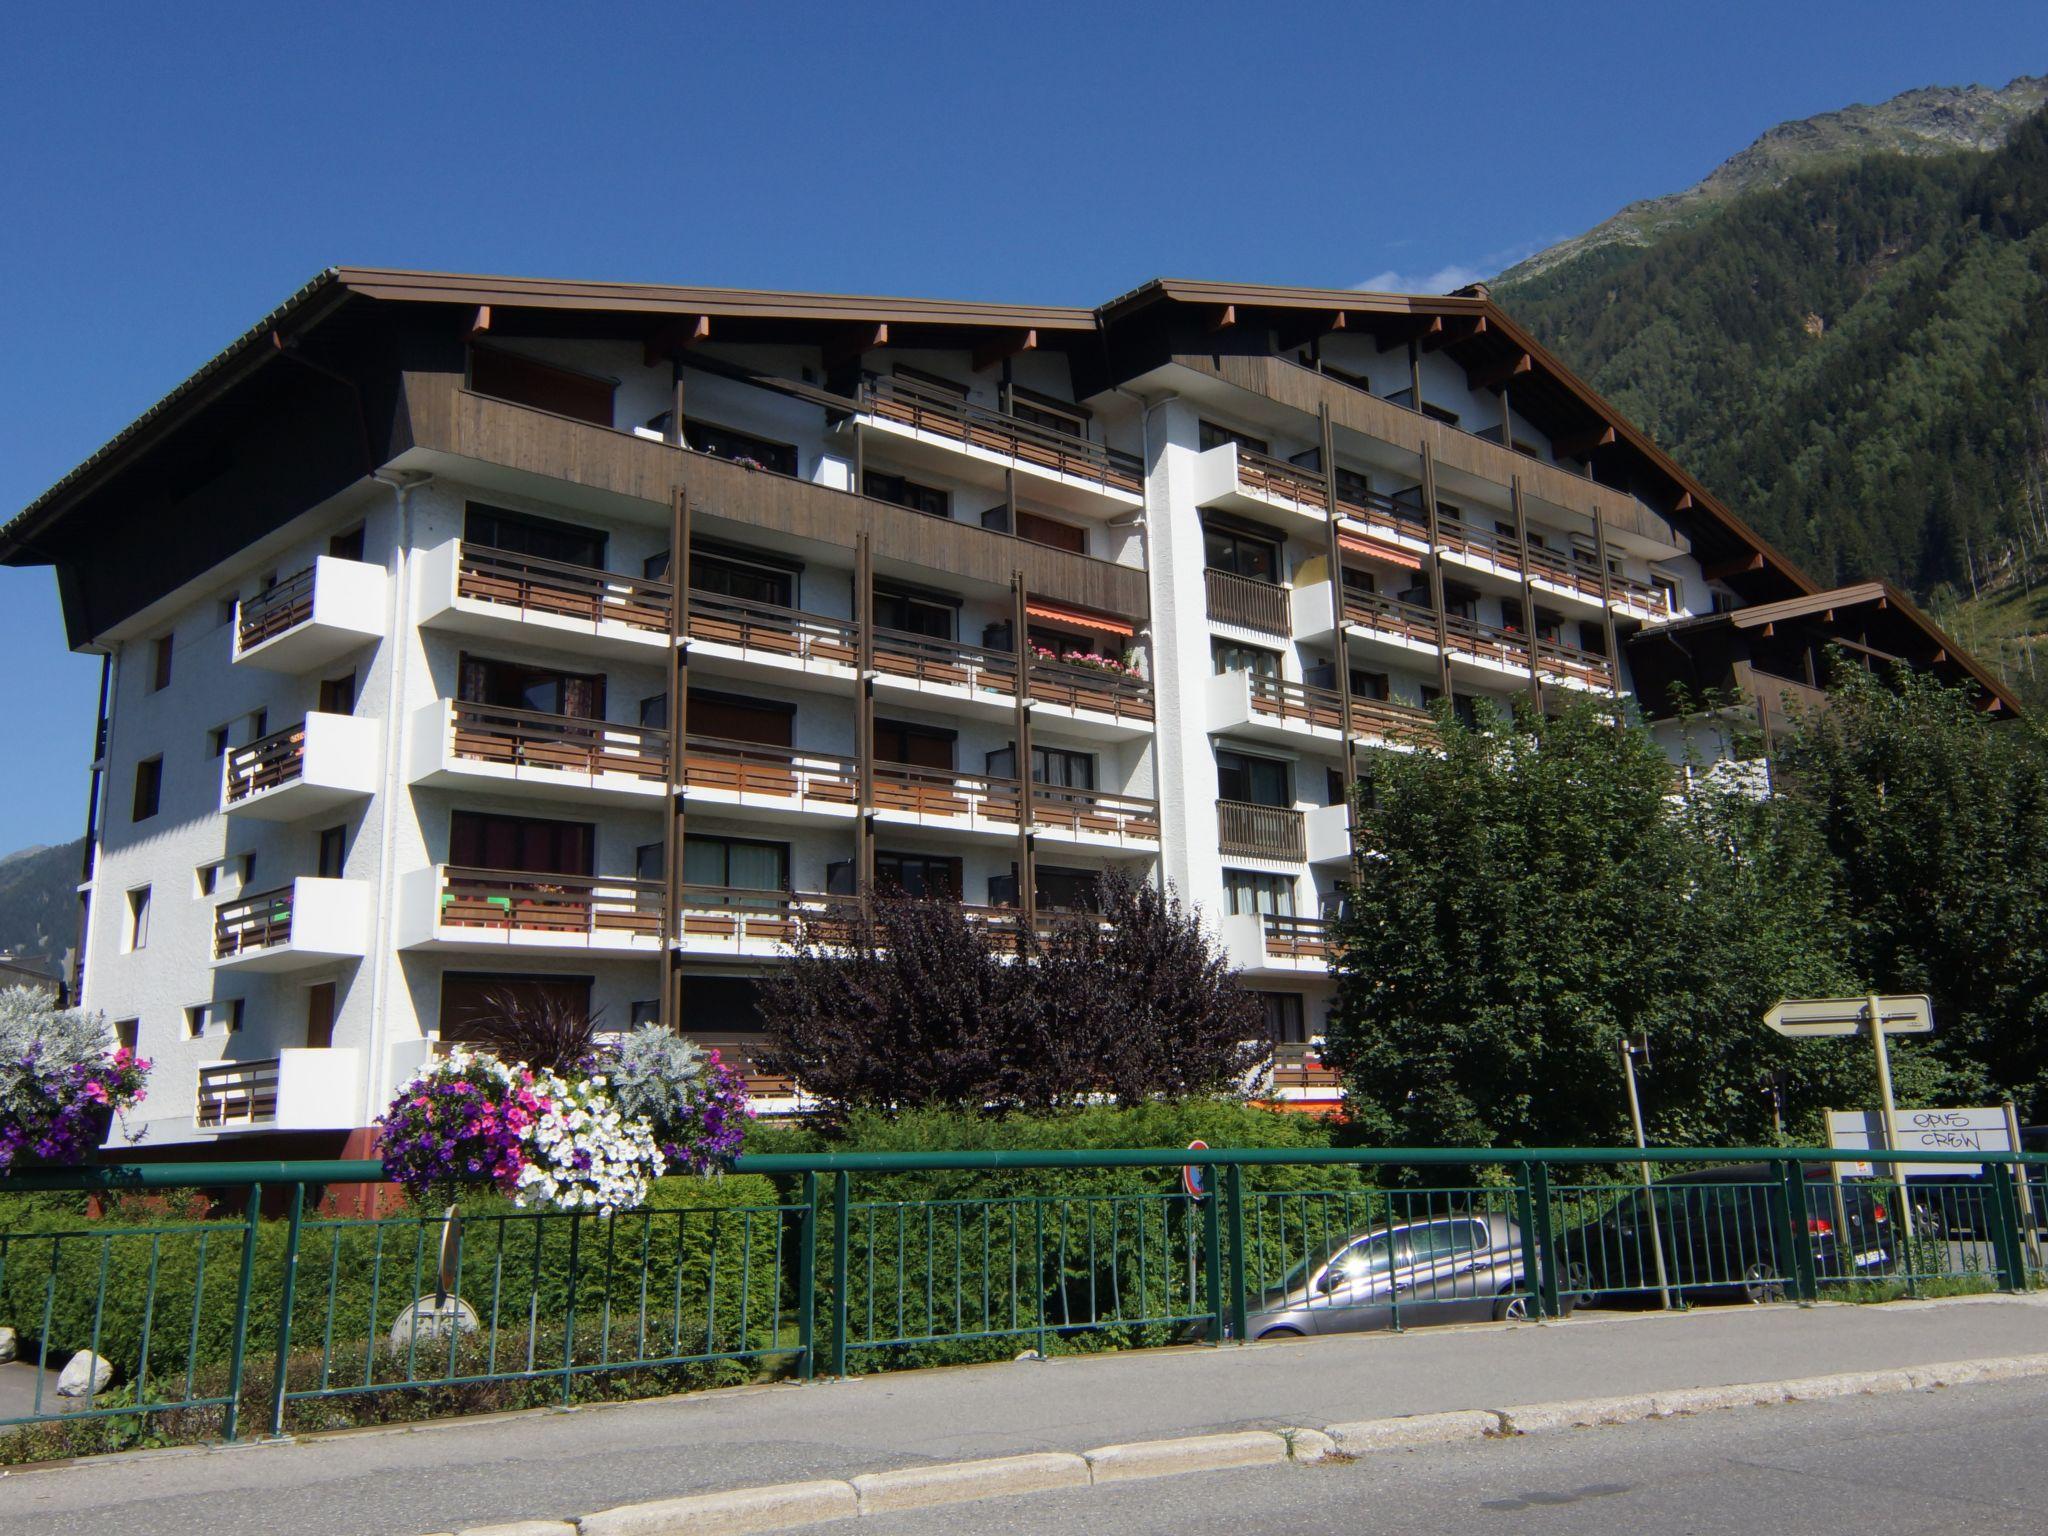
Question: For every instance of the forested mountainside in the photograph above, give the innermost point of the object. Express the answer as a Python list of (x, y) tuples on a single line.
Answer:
[(1856, 359), (39, 902)]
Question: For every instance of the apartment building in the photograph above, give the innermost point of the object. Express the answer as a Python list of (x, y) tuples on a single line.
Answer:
[(466, 636)]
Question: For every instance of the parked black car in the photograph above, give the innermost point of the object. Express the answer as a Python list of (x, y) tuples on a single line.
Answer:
[(1720, 1236)]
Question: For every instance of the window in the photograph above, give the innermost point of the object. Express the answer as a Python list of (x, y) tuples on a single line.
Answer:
[(905, 492), (217, 741), (1229, 656), (224, 1015), (740, 447), (646, 1011), (1214, 436), (1370, 685), (912, 614), (1241, 552), (736, 863), (654, 711), (1353, 486), (320, 1015), (1286, 1021), (248, 863), (469, 997), (509, 685), (1725, 602), (206, 878), (932, 382), (1248, 893), (160, 665), (522, 844), (917, 746), (723, 576), (1357, 580), (224, 609), (348, 545), (1669, 586), (1054, 535), (138, 918), (333, 853), (544, 386), (517, 533), (259, 724), (728, 717), (1066, 890), (1253, 780), (1044, 411), (1056, 766), (913, 874), (127, 1032), (149, 788), (338, 695)]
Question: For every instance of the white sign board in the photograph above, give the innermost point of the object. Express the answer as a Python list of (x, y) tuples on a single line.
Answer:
[(1910, 1014), (1922, 1130)]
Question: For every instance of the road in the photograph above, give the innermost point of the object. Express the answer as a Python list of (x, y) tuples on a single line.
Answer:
[(1964, 1462)]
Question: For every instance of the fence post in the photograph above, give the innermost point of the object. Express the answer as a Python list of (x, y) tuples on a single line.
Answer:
[(1525, 1223), (807, 1281), (242, 1286), (842, 1228), (1239, 1317), (2005, 1229), (288, 1290), (569, 1313), (1546, 1240), (1792, 1199), (1212, 1259)]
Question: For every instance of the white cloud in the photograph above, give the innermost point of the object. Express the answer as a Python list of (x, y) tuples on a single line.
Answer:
[(1451, 275)]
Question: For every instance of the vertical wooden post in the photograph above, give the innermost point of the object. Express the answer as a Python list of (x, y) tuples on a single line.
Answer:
[(1607, 601), (1415, 376), (1528, 588), (1336, 555), (1436, 571), (1027, 859), (675, 415), (864, 713), (670, 1005)]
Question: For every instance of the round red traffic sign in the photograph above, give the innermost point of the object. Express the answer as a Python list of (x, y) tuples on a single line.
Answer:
[(1193, 1177)]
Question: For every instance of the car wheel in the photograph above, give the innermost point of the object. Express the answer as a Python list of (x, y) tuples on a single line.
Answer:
[(1759, 1285), (1576, 1291), (1511, 1309), (1282, 1333)]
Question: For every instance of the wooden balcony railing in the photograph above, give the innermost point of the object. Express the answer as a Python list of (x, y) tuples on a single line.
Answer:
[(722, 913), (1277, 480), (751, 626), (944, 414), (1547, 565), (1390, 616), (1589, 668), (1297, 1065), (1381, 516), (515, 900), (254, 922), (944, 792), (236, 1093), (524, 738), (270, 613), (1275, 698), (1296, 938), (1260, 831), (266, 762), (1093, 689), (945, 663), (1486, 642), (1248, 603), (534, 585), (753, 768), (1095, 812)]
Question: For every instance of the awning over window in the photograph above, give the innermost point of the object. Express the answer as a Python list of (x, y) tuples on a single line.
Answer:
[(1373, 549), (1052, 613)]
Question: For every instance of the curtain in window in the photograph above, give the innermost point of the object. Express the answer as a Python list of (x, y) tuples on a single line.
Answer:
[(580, 698)]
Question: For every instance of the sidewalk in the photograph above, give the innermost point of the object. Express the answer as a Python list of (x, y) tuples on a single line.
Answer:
[(400, 1482)]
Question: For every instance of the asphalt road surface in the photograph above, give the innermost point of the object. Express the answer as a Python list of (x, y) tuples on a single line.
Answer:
[(1964, 1461)]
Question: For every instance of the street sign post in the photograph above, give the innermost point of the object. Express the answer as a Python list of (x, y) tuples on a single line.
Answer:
[(1193, 1177), (1811, 1017)]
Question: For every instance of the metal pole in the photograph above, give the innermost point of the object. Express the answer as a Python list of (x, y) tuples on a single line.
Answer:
[(842, 1234), (2026, 1189), (284, 1311), (1835, 1186), (1875, 1006), (807, 1281), (1635, 1115), (240, 1350)]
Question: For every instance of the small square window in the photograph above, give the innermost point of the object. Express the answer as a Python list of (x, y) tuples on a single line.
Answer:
[(160, 674), (224, 608), (207, 878), (259, 724), (138, 918), (195, 1022), (127, 1032), (149, 789), (217, 741), (223, 1015), (248, 864)]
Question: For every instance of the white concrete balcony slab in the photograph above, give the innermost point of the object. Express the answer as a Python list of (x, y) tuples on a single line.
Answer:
[(310, 618), (1328, 834), (301, 1089), (1235, 479), (483, 911), (472, 589), (309, 923), (1264, 944), (322, 763)]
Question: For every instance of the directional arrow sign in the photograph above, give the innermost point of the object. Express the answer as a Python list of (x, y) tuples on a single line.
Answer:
[(1807, 1017)]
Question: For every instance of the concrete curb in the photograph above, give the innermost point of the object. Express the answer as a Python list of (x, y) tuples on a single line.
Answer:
[(787, 1506)]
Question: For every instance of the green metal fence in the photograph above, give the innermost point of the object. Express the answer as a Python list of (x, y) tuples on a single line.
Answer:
[(223, 1327)]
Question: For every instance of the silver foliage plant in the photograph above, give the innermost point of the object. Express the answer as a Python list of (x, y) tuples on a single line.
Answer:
[(37, 1038), (655, 1074)]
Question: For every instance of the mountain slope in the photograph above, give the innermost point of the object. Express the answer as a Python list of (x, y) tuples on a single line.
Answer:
[(1856, 358), (1935, 120), (39, 901)]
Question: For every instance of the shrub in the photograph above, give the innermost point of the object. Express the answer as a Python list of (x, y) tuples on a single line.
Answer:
[(695, 1104)]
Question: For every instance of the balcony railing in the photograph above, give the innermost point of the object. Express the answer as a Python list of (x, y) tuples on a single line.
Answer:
[(1588, 668), (944, 414), (254, 922), (1547, 565), (750, 626), (270, 613), (513, 900), (1298, 1065), (1278, 480), (1248, 603), (1260, 831), (951, 663), (534, 585), (944, 792), (267, 762), (1095, 812), (1296, 938), (1277, 698), (236, 1093), (756, 769), (720, 913), (1390, 616), (491, 733)]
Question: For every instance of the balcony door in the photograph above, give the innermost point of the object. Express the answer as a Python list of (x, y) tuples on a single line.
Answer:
[(1253, 780), (513, 685), (521, 844), (470, 998), (518, 533), (728, 717), (932, 876), (915, 746)]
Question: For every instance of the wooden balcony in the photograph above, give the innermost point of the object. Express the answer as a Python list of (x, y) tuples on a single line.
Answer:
[(783, 637), (1247, 603), (262, 921), (746, 773), (313, 616), (989, 675), (1296, 938), (554, 590), (1093, 815), (322, 762), (522, 738), (267, 763), (1574, 666), (272, 612), (1388, 618), (595, 910), (1321, 710), (299, 1089), (1298, 1071), (1548, 571), (1260, 831), (307, 923), (236, 1093), (940, 413)]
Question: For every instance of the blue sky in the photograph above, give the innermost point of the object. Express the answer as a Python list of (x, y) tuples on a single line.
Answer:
[(171, 172)]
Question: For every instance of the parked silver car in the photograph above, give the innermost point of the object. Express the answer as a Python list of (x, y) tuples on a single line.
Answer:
[(1448, 1269)]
